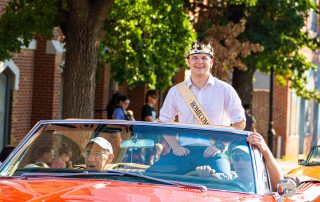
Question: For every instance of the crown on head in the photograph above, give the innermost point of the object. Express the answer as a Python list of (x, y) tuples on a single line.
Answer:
[(198, 48)]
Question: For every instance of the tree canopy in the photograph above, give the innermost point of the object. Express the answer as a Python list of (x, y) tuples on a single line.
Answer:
[(144, 41), (22, 20), (210, 22), (272, 35), (147, 41), (279, 27)]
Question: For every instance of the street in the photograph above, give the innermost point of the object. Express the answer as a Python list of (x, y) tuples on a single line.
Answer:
[(287, 165)]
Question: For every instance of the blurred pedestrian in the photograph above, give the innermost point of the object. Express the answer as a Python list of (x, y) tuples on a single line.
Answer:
[(120, 112), (250, 119), (148, 112), (112, 104)]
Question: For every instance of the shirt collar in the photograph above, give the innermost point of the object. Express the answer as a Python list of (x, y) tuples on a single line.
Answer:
[(210, 81)]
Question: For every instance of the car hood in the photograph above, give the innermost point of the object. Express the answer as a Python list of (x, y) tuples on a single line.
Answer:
[(53, 189), (311, 171)]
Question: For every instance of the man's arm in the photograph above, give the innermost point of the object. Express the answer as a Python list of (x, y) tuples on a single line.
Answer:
[(176, 148), (274, 169), (148, 118), (239, 125), (168, 110), (235, 110)]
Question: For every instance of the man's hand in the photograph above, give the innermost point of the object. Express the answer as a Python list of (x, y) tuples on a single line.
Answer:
[(207, 171), (257, 140), (204, 171), (181, 151), (211, 151)]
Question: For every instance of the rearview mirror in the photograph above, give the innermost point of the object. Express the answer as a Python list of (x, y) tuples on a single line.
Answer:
[(137, 143)]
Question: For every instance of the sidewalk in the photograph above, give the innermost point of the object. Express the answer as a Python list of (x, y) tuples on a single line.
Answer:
[(287, 165)]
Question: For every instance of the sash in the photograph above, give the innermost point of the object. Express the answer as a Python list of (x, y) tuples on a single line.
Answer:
[(193, 104)]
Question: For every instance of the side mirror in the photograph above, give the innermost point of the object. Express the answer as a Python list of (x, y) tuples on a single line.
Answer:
[(286, 188), (301, 162)]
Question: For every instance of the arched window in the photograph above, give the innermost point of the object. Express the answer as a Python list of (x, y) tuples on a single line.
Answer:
[(9, 80), (5, 89)]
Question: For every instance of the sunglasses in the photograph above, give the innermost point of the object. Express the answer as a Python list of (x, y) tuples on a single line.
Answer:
[(94, 154), (244, 157)]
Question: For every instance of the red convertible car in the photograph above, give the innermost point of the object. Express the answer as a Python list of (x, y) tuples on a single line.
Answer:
[(105, 160)]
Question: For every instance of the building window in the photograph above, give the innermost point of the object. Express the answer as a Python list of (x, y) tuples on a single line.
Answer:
[(312, 20), (4, 108), (308, 121)]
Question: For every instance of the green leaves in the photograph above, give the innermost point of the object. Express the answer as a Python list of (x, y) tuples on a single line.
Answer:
[(278, 26), (146, 41), (22, 20)]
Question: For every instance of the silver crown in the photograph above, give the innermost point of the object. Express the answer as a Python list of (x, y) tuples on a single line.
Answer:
[(201, 48)]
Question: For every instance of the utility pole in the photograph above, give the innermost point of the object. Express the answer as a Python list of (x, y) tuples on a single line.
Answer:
[(271, 131)]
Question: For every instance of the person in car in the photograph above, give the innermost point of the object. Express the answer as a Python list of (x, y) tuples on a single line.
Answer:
[(241, 162), (45, 156), (63, 158), (214, 102), (98, 154), (218, 99)]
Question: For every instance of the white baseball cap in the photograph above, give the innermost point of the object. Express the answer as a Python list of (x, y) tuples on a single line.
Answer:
[(103, 143)]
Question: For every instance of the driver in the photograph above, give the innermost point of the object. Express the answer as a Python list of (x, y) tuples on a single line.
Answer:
[(242, 164), (241, 161), (98, 154)]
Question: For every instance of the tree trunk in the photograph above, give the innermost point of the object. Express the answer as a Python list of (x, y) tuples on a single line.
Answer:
[(242, 81), (83, 34)]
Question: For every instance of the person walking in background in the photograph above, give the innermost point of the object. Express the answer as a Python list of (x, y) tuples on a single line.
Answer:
[(250, 120), (112, 104), (120, 112), (148, 113)]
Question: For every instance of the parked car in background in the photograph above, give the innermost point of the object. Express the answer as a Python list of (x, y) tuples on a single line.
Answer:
[(108, 160), (310, 166)]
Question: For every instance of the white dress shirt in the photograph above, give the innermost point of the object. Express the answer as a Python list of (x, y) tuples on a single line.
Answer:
[(218, 99)]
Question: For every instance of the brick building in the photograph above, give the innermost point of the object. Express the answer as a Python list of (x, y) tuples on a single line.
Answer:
[(295, 119), (31, 90)]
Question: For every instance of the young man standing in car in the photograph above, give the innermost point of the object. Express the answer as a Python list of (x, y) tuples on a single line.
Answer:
[(219, 101), (201, 99)]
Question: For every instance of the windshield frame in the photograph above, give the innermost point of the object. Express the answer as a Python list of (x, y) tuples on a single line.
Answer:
[(309, 157), (36, 131)]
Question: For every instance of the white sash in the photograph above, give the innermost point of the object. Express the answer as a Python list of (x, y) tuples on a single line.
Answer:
[(193, 104)]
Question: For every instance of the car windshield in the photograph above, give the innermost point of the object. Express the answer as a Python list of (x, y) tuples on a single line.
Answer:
[(313, 156), (213, 158)]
